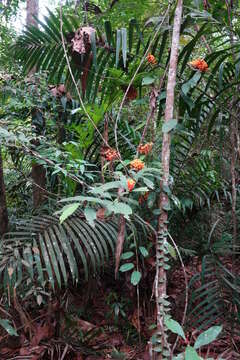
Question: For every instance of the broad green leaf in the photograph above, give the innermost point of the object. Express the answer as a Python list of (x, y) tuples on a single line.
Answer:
[(172, 251), (90, 215), (191, 354), (68, 210), (141, 189), (105, 187), (143, 251), (120, 208), (148, 80), (175, 327), (207, 336), (127, 255), (191, 83), (126, 267), (6, 325), (135, 277), (169, 125)]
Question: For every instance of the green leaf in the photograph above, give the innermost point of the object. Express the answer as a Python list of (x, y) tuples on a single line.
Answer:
[(169, 125), (90, 215), (172, 251), (135, 277), (175, 327), (179, 357), (167, 207), (148, 80), (124, 46), (68, 210), (191, 354), (127, 255), (126, 267), (105, 187), (143, 251), (191, 83), (6, 325), (118, 44), (121, 208), (207, 336)]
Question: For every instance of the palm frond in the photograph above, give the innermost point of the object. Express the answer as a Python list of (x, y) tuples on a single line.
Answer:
[(215, 299), (55, 253)]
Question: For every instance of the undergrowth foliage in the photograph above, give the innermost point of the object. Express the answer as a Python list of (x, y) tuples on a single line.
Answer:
[(92, 117)]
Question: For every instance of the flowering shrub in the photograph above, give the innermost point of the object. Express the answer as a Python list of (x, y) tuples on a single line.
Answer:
[(137, 164), (151, 59), (199, 64), (110, 154), (130, 183), (145, 149)]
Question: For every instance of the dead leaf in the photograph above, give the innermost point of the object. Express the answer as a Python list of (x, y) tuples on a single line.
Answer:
[(120, 242), (85, 325), (10, 271), (81, 40), (41, 332), (136, 321), (101, 214)]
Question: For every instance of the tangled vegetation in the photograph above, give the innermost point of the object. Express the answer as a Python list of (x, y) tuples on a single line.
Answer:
[(119, 189)]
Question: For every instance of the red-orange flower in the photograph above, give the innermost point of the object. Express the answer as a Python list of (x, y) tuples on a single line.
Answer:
[(137, 164), (131, 183), (151, 59), (199, 64), (145, 149), (110, 154)]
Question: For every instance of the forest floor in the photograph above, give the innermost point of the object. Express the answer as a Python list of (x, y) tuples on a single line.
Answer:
[(101, 320)]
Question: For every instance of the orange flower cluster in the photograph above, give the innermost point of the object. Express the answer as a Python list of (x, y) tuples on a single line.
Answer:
[(111, 154), (145, 149), (199, 64), (151, 59), (143, 198), (137, 164), (131, 183)]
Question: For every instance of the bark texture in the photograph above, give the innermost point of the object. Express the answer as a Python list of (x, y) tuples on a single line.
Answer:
[(32, 10), (38, 171), (3, 202), (164, 200)]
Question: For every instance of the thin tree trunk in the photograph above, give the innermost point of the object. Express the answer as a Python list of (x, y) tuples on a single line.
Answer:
[(38, 171), (161, 251), (32, 11), (233, 133), (3, 202)]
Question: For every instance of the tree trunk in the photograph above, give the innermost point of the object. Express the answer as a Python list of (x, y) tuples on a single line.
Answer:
[(32, 11), (38, 171), (3, 202), (161, 248)]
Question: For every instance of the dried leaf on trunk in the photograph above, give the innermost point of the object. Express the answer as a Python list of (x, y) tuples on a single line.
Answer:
[(81, 41), (120, 242)]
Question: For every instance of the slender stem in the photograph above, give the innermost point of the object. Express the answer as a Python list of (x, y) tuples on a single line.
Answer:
[(3, 202), (164, 199)]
